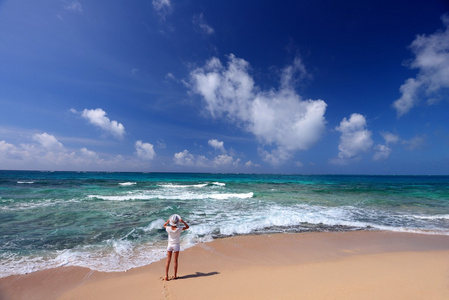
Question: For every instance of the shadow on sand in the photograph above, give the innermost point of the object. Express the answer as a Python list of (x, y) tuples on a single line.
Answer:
[(198, 274)]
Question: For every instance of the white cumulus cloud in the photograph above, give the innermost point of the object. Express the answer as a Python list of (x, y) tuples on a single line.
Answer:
[(185, 158), (97, 117), (45, 153), (382, 152), (250, 165), (48, 141), (275, 157), (390, 138), (432, 61), (145, 151), (217, 145), (355, 138), (9, 153), (276, 117), (224, 160), (89, 154)]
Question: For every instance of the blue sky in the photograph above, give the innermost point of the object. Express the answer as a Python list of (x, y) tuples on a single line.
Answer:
[(310, 87)]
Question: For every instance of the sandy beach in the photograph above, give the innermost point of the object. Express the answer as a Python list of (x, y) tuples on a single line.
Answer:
[(339, 265)]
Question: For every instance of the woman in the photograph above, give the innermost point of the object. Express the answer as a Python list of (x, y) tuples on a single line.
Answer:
[(174, 235)]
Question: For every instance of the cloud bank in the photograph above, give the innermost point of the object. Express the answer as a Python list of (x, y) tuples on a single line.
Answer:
[(43, 151), (277, 117), (432, 61), (224, 160)]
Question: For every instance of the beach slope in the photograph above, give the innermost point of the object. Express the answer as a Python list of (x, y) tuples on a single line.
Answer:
[(339, 265)]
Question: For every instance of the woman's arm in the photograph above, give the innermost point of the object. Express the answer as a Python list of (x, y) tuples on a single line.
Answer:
[(186, 226), (166, 223)]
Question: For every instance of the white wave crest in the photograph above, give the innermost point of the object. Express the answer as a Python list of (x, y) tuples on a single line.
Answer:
[(127, 183), (172, 196), (157, 224), (183, 186), (37, 204), (433, 217), (230, 196), (198, 185), (234, 222)]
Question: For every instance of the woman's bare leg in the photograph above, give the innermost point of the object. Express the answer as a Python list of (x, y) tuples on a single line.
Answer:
[(176, 264), (167, 264)]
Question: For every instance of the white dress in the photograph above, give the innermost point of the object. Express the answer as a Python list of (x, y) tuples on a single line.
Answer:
[(174, 237)]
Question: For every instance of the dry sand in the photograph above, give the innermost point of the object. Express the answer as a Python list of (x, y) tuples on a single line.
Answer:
[(346, 265)]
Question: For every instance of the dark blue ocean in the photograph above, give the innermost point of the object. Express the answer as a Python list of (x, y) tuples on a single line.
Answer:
[(114, 221)]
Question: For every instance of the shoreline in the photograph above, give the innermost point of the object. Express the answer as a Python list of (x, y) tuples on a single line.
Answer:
[(338, 265)]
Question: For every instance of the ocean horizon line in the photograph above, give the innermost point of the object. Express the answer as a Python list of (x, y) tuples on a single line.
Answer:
[(224, 173)]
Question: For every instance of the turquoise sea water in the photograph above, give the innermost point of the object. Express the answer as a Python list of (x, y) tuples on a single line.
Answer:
[(114, 221)]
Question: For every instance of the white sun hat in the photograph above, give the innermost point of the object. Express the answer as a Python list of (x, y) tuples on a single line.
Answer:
[(174, 220)]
